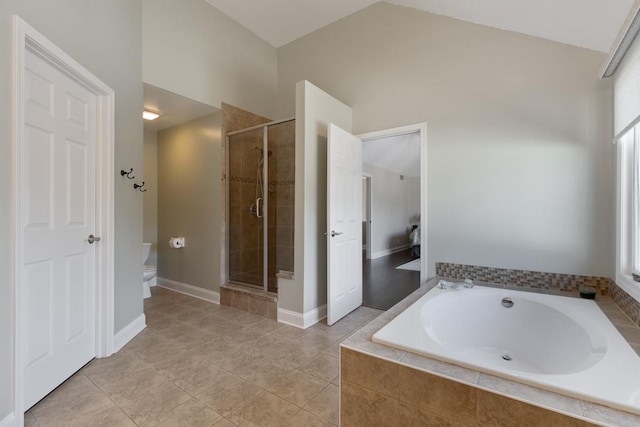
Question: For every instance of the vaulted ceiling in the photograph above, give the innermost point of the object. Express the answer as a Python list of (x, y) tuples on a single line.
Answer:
[(592, 24)]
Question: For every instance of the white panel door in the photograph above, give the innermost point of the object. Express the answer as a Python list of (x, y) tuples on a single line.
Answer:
[(344, 223), (57, 214)]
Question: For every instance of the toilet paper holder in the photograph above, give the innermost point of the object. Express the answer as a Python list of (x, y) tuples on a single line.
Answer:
[(177, 242)]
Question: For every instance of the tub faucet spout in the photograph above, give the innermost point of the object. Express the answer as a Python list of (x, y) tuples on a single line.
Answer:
[(443, 284)]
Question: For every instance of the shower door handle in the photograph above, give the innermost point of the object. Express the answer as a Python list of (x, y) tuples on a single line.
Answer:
[(258, 200)]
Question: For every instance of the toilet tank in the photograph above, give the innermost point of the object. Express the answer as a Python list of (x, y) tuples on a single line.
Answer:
[(146, 250)]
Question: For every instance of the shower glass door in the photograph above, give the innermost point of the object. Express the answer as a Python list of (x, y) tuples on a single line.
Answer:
[(246, 208), (261, 204)]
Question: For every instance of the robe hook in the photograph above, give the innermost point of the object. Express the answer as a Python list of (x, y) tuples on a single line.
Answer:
[(139, 187), (127, 174)]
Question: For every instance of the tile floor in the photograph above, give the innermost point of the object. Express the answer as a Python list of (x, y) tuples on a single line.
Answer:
[(201, 364)]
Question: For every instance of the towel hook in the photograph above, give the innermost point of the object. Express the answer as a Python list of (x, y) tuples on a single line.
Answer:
[(139, 187), (127, 174)]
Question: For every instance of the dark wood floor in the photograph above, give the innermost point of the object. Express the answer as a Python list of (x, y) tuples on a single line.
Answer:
[(384, 285)]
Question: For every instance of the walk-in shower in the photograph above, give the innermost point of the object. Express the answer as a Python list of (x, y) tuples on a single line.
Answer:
[(260, 167)]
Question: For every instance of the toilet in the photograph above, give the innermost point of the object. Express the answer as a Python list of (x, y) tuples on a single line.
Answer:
[(149, 272)]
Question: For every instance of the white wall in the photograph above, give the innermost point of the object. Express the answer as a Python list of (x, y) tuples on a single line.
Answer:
[(519, 159), (390, 215), (150, 204), (315, 109), (105, 37), (194, 50)]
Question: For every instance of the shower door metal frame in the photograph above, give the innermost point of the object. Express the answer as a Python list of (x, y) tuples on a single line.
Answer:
[(265, 197)]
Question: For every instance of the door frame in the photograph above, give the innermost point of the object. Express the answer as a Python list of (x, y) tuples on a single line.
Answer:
[(26, 38), (368, 229), (403, 130)]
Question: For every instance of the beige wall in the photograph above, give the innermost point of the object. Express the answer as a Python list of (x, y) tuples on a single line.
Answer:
[(85, 31), (189, 203), (519, 153), (194, 50), (150, 205)]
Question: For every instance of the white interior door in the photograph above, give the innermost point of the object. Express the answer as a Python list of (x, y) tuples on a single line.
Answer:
[(57, 214), (344, 223)]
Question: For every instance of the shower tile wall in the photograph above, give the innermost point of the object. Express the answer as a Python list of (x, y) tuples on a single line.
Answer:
[(281, 199)]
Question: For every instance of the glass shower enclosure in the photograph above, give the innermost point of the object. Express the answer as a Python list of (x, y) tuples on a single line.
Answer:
[(261, 168)]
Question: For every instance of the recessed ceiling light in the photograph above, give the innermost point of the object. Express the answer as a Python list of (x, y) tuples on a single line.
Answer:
[(149, 115)]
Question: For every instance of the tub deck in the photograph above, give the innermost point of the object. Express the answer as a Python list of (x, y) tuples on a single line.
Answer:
[(478, 391)]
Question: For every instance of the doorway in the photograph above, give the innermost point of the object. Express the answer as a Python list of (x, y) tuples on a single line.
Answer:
[(63, 217), (394, 175)]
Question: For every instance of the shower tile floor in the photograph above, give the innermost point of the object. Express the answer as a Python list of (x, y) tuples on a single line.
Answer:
[(201, 364)]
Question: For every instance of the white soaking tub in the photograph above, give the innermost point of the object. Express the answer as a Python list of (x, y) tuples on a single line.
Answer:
[(557, 343)]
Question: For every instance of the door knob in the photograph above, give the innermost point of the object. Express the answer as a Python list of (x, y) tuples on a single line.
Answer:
[(335, 233), (92, 239)]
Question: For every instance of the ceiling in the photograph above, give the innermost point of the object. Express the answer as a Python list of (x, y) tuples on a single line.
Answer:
[(591, 24), (175, 109), (399, 154)]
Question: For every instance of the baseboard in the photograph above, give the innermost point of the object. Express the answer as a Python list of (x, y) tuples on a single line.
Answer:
[(192, 291), (9, 421), (126, 334), (389, 251), (300, 320)]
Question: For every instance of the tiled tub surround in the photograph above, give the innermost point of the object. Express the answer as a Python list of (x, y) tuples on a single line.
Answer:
[(382, 385)]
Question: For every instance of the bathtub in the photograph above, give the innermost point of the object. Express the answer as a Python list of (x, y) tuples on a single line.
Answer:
[(556, 343)]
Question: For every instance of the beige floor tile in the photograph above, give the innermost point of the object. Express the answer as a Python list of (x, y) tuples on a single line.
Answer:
[(220, 350), (67, 393), (224, 423), (228, 394), (126, 386), (266, 409), (73, 411), (183, 353), (162, 322), (239, 317), (263, 371), (193, 374), (30, 420), (323, 366), (192, 413), (325, 404), (111, 417), (306, 419), (151, 403), (123, 361), (298, 387)]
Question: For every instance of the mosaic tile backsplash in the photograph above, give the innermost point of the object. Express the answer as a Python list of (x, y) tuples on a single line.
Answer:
[(626, 302), (569, 283), (524, 278)]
